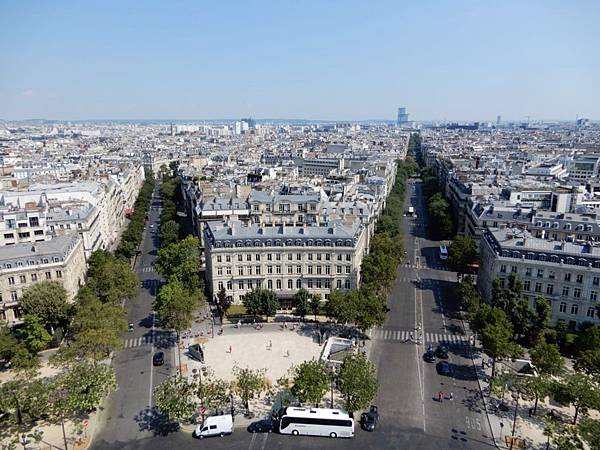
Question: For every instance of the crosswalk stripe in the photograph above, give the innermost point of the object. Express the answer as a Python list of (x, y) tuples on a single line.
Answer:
[(397, 334)]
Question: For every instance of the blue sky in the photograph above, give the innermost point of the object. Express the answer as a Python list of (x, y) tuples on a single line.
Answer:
[(342, 60)]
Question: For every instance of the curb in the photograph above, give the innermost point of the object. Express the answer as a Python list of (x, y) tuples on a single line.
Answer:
[(485, 405)]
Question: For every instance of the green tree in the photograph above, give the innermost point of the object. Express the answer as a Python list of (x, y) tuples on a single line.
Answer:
[(589, 430), (181, 260), (110, 278), (301, 302), (25, 401), (578, 390), (175, 398), (588, 362), (563, 436), (48, 301), (541, 316), (33, 334), (248, 383), (547, 358), (311, 380), (314, 304), (85, 385), (175, 306), (496, 333), (357, 381), (223, 303), (468, 296), (370, 309), (260, 301), (169, 233), (97, 329), (462, 253), (8, 343), (337, 307), (213, 393), (587, 339)]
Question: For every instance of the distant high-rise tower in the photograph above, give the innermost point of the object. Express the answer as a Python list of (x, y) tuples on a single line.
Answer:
[(498, 120), (402, 117)]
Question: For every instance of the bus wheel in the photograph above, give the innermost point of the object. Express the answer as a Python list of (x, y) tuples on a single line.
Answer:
[(295, 432), (333, 435)]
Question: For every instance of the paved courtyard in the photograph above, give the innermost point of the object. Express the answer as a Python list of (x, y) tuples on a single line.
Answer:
[(273, 348)]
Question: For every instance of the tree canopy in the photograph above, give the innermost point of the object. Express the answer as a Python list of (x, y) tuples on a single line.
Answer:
[(357, 381), (48, 301), (462, 253), (311, 380)]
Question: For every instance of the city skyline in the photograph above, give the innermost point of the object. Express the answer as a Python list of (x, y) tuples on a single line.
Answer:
[(346, 61)]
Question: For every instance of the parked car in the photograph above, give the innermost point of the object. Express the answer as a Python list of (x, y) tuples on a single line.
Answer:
[(443, 368), (429, 355), (158, 359), (261, 426), (215, 426), (368, 420), (442, 352), (130, 327)]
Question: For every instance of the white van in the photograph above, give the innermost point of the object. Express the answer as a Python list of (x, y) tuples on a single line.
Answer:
[(215, 426)]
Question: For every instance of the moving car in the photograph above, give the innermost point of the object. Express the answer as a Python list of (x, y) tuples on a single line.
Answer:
[(429, 355), (261, 426), (130, 327), (442, 352), (215, 426), (158, 359), (368, 420), (443, 368)]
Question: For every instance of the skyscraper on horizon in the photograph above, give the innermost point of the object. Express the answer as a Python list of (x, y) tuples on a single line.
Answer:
[(402, 117)]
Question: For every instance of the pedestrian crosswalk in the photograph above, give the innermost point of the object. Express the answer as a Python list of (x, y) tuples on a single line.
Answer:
[(146, 269), (160, 340), (429, 338)]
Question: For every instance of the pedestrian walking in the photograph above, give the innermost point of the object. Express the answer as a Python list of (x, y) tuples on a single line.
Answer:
[(440, 396), (451, 395), (230, 349), (412, 337)]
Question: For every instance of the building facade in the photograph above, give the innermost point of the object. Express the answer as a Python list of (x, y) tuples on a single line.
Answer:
[(283, 258), (565, 273), (61, 259)]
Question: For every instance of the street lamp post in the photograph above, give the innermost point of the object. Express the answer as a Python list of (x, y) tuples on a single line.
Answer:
[(516, 398), (58, 396)]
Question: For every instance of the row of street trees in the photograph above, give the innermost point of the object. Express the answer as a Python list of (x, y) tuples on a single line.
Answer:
[(169, 227), (93, 324), (132, 237), (178, 261), (438, 208), (511, 323), (365, 307), (178, 398)]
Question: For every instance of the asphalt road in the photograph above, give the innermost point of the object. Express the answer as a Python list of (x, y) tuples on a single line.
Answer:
[(126, 415), (412, 417)]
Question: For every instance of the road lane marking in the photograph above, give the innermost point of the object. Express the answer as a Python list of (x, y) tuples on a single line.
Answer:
[(251, 446), (264, 442), (151, 356)]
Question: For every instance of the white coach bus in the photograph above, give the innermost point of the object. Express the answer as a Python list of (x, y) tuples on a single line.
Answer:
[(315, 422)]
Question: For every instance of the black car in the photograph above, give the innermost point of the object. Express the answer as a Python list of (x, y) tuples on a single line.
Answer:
[(442, 352), (429, 355), (444, 368), (158, 359), (261, 426), (368, 420)]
